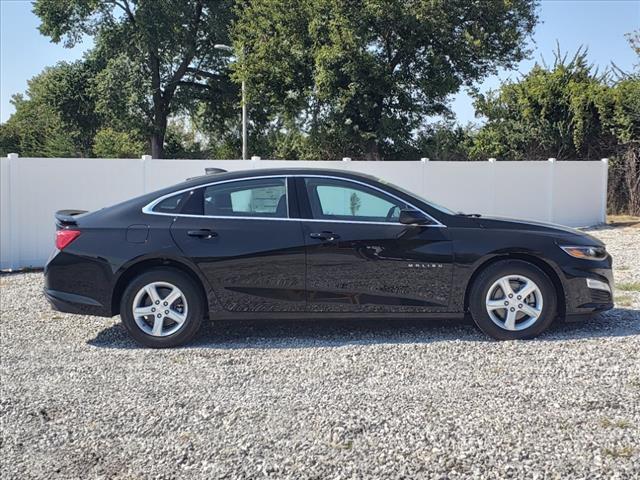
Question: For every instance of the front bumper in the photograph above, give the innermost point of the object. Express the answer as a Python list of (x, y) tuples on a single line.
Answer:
[(588, 287)]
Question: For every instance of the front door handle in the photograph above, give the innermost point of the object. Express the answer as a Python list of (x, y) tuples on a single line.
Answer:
[(204, 233), (324, 236)]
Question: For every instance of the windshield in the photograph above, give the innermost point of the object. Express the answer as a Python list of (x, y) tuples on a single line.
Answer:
[(419, 197)]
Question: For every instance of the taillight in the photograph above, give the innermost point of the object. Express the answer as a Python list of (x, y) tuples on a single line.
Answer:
[(65, 237)]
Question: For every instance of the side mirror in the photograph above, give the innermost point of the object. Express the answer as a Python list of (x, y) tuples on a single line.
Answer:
[(413, 217)]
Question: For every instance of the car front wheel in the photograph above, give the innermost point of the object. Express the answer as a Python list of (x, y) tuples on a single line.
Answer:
[(513, 299), (162, 308)]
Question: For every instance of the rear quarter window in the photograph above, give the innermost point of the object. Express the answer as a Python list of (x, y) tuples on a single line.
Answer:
[(172, 204)]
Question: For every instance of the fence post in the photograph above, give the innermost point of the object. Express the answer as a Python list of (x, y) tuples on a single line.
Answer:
[(552, 187), (492, 165), (144, 160), (424, 164), (14, 224), (605, 186)]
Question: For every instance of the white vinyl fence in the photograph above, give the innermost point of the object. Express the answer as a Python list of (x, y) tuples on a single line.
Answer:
[(32, 189)]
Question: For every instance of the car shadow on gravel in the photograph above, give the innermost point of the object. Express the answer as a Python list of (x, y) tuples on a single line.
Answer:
[(266, 334)]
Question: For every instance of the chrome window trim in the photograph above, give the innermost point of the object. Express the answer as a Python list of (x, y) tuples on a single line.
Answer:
[(148, 209)]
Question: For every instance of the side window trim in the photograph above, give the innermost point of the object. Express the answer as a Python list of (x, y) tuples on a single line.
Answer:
[(302, 203), (199, 189)]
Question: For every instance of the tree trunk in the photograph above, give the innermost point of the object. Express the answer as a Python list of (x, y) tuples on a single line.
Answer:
[(372, 150), (159, 131), (372, 146), (157, 146), (632, 178)]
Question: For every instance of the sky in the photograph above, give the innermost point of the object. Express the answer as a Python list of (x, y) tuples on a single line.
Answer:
[(599, 25)]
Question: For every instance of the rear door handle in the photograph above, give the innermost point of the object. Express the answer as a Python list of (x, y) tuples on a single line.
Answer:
[(203, 233), (324, 236)]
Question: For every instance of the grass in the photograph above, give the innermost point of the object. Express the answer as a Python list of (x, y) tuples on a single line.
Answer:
[(622, 452), (623, 221), (629, 287), (348, 445), (623, 301), (621, 423)]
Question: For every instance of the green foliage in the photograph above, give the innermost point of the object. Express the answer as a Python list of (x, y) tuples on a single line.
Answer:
[(56, 117), (35, 131), (154, 52), (181, 142), (445, 142), (360, 76), (621, 110), (550, 112), (9, 139), (120, 92), (110, 143)]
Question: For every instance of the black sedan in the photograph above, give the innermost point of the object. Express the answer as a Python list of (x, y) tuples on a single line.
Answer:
[(308, 242)]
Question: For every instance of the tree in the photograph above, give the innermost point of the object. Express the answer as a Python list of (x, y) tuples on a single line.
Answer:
[(359, 77), (550, 112), (623, 121), (623, 105), (568, 111), (56, 116), (155, 51)]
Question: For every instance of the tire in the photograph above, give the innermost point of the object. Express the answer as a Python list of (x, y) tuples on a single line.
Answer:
[(506, 317), (149, 291)]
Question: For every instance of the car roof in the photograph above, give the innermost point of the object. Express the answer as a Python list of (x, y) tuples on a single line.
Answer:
[(261, 172)]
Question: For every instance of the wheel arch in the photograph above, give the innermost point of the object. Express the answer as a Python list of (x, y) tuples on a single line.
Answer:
[(543, 265), (135, 269)]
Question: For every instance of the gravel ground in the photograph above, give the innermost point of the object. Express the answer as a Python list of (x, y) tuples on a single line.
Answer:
[(325, 399)]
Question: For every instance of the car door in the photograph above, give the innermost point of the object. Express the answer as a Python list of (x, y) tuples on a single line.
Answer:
[(241, 237), (361, 259)]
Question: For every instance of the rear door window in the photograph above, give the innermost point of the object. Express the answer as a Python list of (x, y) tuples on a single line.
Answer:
[(262, 197)]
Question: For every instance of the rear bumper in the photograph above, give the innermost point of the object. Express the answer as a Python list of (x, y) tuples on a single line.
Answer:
[(77, 304), (78, 284)]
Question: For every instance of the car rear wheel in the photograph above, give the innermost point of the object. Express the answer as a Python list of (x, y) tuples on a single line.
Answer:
[(162, 308), (513, 299)]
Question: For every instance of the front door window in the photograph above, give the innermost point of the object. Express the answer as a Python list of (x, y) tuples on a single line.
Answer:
[(333, 199)]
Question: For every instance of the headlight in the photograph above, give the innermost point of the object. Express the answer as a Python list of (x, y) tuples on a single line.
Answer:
[(586, 253)]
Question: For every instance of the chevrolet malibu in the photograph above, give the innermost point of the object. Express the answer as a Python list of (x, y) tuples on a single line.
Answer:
[(316, 243)]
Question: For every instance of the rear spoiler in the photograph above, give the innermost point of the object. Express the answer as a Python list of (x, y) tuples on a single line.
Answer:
[(210, 171), (65, 218)]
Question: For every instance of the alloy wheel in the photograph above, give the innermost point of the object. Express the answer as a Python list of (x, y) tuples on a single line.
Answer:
[(160, 309), (514, 302)]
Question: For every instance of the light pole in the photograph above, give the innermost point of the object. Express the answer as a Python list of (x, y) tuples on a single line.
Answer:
[(229, 49)]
